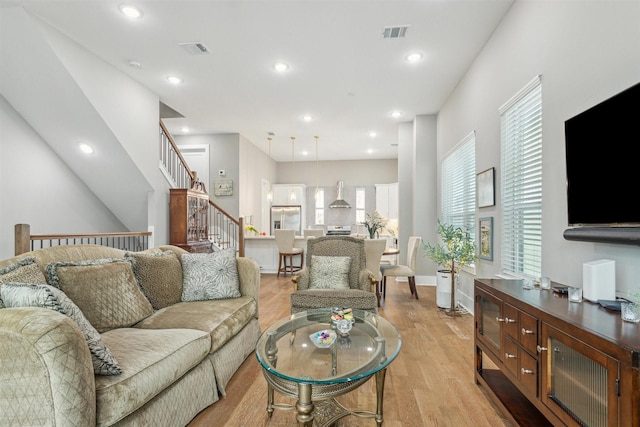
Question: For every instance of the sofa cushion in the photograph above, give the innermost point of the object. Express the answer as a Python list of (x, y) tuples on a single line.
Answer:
[(105, 290), (159, 276), (210, 276), (46, 296), (25, 270), (222, 319), (151, 360), (329, 272), (320, 298)]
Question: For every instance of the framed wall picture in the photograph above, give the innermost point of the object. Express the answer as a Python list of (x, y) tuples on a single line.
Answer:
[(484, 187), (223, 187), (486, 238)]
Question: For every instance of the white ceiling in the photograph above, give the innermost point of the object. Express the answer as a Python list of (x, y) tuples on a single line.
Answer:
[(342, 72)]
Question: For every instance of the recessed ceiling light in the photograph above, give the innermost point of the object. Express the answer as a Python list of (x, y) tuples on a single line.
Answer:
[(130, 11), (185, 129), (307, 117), (86, 148), (396, 114), (373, 134), (414, 57), (135, 64), (280, 66), (174, 80), (305, 153)]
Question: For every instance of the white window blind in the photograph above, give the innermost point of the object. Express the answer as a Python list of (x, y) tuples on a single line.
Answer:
[(521, 181), (459, 185)]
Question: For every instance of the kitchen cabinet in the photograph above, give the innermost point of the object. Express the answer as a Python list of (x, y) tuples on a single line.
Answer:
[(547, 361), (387, 200), (189, 220)]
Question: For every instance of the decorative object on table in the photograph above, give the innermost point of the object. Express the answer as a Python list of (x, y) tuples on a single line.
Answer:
[(342, 313), (486, 238), (374, 224), (455, 250), (344, 327), (545, 283), (485, 186), (252, 229), (575, 294), (323, 339), (630, 308), (223, 187)]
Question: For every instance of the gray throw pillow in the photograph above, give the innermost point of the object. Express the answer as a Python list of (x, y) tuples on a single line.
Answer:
[(329, 272), (25, 270), (210, 276), (159, 276), (46, 296)]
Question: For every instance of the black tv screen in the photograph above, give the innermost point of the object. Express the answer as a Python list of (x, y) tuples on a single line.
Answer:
[(603, 162)]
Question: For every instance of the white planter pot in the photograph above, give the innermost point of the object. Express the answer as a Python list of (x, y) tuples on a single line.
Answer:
[(443, 288)]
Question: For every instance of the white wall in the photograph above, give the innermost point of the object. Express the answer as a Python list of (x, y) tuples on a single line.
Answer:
[(585, 52), (37, 188)]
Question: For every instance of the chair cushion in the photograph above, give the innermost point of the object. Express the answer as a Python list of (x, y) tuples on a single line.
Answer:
[(396, 270), (46, 296), (106, 291), (210, 276), (159, 276), (25, 270), (329, 272), (151, 360), (222, 319), (324, 298)]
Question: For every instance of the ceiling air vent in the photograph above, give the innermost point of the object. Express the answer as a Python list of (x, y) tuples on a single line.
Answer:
[(194, 48), (396, 32)]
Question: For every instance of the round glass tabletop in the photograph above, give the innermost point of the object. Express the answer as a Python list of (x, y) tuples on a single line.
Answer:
[(308, 347)]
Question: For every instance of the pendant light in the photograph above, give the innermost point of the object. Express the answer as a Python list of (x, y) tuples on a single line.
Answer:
[(315, 196), (293, 170), (270, 193)]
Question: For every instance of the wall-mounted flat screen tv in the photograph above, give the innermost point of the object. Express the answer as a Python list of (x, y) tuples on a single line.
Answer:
[(603, 163)]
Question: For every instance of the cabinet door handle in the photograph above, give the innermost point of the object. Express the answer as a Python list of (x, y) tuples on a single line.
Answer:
[(510, 356), (541, 349), (506, 319), (499, 319), (527, 371), (526, 331)]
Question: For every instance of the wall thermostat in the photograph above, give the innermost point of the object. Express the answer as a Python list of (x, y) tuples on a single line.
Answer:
[(221, 172)]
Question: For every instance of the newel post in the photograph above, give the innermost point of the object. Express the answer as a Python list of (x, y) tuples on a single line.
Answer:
[(22, 238)]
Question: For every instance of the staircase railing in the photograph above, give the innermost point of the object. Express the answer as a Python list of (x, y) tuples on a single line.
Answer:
[(127, 241), (225, 231)]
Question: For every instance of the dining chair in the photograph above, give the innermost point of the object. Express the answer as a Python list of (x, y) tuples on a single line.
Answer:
[(374, 248), (285, 239), (403, 270)]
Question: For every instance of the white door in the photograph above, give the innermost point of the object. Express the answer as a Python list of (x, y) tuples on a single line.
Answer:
[(197, 157)]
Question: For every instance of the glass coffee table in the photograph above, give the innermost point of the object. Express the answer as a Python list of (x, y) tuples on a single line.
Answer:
[(305, 357)]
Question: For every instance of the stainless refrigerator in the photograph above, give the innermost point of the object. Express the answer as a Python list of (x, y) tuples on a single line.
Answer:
[(286, 217)]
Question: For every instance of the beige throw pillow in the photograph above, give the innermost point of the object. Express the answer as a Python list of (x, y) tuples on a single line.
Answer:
[(106, 291), (329, 272), (159, 276), (25, 270)]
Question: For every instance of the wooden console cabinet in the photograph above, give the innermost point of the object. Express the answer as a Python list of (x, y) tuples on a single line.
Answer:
[(547, 361), (189, 220)]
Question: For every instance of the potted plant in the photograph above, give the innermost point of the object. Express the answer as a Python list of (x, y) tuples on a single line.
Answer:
[(374, 224), (455, 250)]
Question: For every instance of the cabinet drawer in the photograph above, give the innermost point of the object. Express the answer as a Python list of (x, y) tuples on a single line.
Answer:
[(528, 332), (511, 323), (528, 372), (510, 357)]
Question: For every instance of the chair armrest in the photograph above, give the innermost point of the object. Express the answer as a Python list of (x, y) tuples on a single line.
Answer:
[(47, 375), (301, 280), (365, 282), (249, 275)]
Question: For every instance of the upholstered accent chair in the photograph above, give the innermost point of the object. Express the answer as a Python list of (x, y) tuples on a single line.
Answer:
[(335, 275), (374, 248), (403, 270)]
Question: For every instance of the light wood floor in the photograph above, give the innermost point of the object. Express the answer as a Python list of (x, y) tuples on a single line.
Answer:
[(430, 383)]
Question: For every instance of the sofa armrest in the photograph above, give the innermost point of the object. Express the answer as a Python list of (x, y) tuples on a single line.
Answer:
[(47, 375), (249, 275)]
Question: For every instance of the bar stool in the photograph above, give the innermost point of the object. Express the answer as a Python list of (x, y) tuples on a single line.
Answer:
[(285, 240)]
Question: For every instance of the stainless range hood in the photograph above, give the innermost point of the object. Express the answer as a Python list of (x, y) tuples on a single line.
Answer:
[(339, 202)]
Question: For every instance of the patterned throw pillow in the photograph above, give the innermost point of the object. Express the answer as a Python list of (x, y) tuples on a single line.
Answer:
[(210, 276), (25, 270), (106, 291), (159, 276), (45, 296), (329, 272)]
